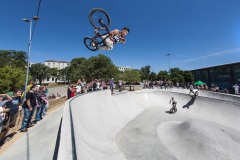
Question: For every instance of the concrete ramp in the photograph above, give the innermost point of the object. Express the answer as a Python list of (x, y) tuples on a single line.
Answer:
[(135, 126)]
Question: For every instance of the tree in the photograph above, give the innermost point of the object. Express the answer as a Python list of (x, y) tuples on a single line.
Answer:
[(145, 72), (163, 75), (13, 58), (40, 72), (101, 67), (77, 69), (64, 74), (11, 79), (153, 76), (177, 75), (188, 76), (55, 73), (132, 76)]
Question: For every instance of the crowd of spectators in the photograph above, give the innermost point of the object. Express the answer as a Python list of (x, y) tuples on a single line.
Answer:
[(82, 87), (34, 107), (204, 87)]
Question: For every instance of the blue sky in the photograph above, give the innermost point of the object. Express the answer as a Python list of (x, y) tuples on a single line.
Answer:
[(196, 33)]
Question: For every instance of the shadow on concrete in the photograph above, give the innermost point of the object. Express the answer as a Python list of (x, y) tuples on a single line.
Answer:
[(55, 155), (189, 103), (7, 138)]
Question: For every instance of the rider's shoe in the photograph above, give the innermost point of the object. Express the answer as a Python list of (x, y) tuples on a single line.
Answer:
[(96, 31), (94, 45)]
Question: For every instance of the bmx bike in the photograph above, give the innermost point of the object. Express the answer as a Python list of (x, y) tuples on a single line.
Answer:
[(100, 20)]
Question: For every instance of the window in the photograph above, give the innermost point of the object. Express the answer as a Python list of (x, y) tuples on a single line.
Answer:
[(52, 78)]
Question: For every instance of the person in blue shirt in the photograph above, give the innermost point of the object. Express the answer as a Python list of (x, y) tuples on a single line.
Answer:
[(111, 83), (12, 108)]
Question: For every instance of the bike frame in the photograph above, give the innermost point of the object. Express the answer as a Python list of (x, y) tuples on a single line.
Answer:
[(98, 35)]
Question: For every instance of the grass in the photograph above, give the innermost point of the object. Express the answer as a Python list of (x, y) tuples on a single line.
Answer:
[(52, 85)]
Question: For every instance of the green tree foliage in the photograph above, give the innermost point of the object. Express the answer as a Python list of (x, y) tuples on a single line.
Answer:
[(78, 69), (55, 73), (153, 76), (101, 67), (131, 76), (163, 75), (13, 58), (40, 72), (145, 72), (64, 74), (177, 75), (11, 79), (188, 76), (96, 67)]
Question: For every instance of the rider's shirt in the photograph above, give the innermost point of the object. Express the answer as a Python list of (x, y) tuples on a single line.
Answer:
[(116, 38)]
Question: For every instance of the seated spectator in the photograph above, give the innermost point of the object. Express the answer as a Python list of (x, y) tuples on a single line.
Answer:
[(225, 91)]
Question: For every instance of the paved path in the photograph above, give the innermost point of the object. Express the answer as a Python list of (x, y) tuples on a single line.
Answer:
[(62, 90), (39, 142)]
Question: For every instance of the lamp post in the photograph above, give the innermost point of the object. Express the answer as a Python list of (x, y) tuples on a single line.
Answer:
[(168, 61), (35, 18)]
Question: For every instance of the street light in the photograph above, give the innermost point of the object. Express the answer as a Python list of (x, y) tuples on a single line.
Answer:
[(168, 61), (35, 18)]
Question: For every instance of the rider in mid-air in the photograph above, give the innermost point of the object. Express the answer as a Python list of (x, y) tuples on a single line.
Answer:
[(113, 38)]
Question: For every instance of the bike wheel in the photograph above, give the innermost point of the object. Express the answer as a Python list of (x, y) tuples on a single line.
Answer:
[(99, 19), (90, 43)]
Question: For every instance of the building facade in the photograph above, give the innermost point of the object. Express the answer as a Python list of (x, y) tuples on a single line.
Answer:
[(224, 76), (55, 64), (123, 69)]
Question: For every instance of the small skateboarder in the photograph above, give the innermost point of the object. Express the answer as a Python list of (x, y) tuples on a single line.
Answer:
[(174, 105)]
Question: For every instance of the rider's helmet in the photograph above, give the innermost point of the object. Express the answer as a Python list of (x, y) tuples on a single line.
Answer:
[(127, 29)]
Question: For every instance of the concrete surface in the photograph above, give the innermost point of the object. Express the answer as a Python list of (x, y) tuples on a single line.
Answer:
[(39, 142), (135, 126)]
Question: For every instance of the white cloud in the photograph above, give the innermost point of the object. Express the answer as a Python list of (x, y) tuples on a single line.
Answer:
[(230, 51)]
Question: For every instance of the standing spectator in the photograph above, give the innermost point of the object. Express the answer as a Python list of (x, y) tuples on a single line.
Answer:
[(216, 88), (41, 102), (69, 90), (83, 85), (177, 84), (29, 106), (236, 89), (73, 90), (206, 87), (2, 109), (46, 93), (111, 83), (225, 91), (94, 85), (78, 88), (11, 110), (98, 84), (120, 85)]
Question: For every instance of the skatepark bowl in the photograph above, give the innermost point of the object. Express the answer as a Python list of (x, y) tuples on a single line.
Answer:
[(136, 126)]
